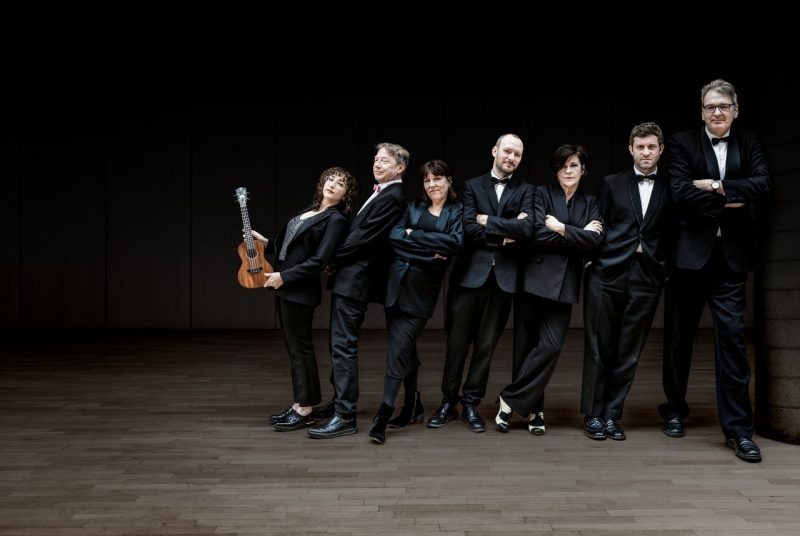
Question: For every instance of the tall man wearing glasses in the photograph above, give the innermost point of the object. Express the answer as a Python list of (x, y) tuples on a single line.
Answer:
[(717, 175)]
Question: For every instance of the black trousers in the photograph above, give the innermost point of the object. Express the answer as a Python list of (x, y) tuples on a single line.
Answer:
[(401, 354), (295, 320), (477, 317), (540, 329), (347, 315), (617, 316), (687, 293)]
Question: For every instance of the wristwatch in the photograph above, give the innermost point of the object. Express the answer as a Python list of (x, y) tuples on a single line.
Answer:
[(715, 185)]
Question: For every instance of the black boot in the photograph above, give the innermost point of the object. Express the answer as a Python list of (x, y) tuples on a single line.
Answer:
[(378, 429), (411, 412)]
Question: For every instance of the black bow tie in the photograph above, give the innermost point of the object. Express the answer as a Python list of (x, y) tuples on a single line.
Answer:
[(650, 177), (715, 141), (495, 181)]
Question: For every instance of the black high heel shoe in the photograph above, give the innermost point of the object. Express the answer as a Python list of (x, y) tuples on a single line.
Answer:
[(411, 413)]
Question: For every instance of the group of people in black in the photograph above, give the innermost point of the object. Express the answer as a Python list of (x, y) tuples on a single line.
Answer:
[(687, 227)]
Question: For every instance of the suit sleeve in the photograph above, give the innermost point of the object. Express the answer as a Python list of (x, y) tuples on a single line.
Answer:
[(541, 234), (473, 231), (756, 185), (683, 191), (374, 228), (446, 243), (498, 228), (580, 238), (334, 230), (404, 246)]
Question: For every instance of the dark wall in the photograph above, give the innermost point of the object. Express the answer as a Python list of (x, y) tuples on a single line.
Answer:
[(117, 207)]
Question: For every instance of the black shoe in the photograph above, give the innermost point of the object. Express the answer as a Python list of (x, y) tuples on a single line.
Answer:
[(444, 414), (745, 448), (412, 412), (473, 419), (502, 418), (673, 427), (594, 428), (278, 417), (377, 432), (294, 421), (614, 430), (536, 423), (336, 426), (326, 410)]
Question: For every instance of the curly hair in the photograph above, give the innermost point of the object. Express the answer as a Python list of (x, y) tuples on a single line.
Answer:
[(350, 198)]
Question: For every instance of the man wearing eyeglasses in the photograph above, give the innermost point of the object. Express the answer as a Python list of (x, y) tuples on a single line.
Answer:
[(717, 175)]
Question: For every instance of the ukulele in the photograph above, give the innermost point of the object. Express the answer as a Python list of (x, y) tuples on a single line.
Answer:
[(254, 265)]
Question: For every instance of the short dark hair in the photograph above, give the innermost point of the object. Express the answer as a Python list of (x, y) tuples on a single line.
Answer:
[(565, 152), (438, 168), (350, 198), (642, 130)]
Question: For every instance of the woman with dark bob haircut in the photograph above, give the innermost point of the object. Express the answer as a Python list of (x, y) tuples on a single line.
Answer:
[(424, 242), (567, 226)]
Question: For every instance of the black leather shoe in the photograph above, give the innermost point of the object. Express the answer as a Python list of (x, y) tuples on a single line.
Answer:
[(614, 430), (745, 448), (412, 412), (325, 411), (673, 427), (473, 419), (594, 428), (278, 417), (443, 415), (294, 421), (336, 426)]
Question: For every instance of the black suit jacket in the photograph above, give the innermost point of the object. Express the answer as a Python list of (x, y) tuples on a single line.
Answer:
[(556, 265), (415, 277), (699, 214), (483, 246), (310, 250), (625, 226), (361, 262)]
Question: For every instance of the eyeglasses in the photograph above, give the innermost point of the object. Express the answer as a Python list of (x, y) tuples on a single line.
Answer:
[(724, 108)]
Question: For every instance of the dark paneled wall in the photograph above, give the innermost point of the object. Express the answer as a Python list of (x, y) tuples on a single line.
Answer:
[(117, 205)]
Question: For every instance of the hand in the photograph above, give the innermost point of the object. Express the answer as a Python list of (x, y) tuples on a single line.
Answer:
[(482, 219), (329, 270), (552, 223), (436, 256), (595, 226), (274, 280), (734, 205), (522, 215), (257, 236), (507, 240), (408, 231)]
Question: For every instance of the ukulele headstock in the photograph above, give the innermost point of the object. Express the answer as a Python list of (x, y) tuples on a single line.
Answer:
[(241, 195)]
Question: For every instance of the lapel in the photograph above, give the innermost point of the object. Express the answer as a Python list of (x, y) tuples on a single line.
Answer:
[(306, 224), (416, 213), (709, 154), (558, 201), (655, 198), (444, 217), (488, 188), (633, 194), (508, 192), (733, 162)]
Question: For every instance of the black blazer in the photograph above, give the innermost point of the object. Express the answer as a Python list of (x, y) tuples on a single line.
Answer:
[(699, 214), (310, 250), (361, 262), (625, 226), (556, 265), (483, 246), (415, 277)]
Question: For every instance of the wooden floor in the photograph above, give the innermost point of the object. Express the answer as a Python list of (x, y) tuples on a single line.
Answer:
[(166, 435)]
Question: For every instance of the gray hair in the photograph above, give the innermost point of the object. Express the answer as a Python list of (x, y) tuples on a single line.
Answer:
[(722, 86), (399, 153)]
